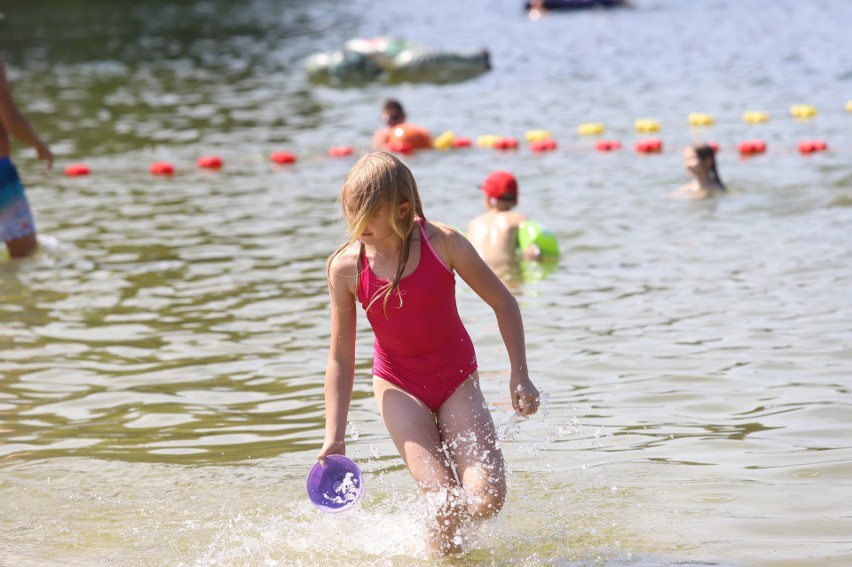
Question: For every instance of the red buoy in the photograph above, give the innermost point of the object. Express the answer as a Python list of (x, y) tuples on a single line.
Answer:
[(649, 146), (461, 143), (607, 145), (506, 143), (811, 146), (161, 168), (75, 169), (210, 162), (546, 145), (282, 157), (752, 147), (340, 151)]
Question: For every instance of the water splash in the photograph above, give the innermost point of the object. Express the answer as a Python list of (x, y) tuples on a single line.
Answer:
[(346, 490)]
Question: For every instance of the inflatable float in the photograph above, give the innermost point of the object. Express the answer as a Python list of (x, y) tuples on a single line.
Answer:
[(536, 242), (572, 4), (406, 137), (394, 60)]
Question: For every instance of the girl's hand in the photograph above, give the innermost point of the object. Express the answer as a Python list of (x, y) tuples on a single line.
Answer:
[(331, 448), (43, 152), (525, 396)]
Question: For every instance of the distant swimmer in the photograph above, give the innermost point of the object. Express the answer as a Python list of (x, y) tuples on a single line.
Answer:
[(17, 227), (700, 162), (398, 131)]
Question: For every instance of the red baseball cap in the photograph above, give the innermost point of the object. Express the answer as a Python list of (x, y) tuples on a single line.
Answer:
[(501, 185)]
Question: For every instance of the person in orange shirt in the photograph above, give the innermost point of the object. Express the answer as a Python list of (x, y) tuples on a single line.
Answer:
[(397, 133)]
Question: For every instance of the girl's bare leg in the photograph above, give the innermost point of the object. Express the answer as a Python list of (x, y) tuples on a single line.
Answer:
[(414, 430), (470, 436)]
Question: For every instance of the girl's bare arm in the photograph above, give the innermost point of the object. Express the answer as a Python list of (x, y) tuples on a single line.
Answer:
[(340, 368)]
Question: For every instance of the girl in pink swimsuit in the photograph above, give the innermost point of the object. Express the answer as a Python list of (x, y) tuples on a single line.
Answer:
[(401, 268)]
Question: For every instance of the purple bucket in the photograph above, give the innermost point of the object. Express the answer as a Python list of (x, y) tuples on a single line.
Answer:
[(337, 485)]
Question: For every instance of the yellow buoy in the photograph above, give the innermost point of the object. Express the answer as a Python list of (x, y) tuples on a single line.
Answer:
[(755, 116), (590, 129), (647, 125), (487, 140), (803, 111), (700, 119), (444, 141), (849, 106), (537, 135)]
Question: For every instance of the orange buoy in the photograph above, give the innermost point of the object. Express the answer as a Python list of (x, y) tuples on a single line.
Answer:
[(415, 136), (282, 157), (752, 147), (649, 146), (811, 146), (607, 145), (340, 151), (161, 168), (76, 169), (210, 162)]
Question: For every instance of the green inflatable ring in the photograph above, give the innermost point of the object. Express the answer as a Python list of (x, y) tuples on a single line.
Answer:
[(531, 233)]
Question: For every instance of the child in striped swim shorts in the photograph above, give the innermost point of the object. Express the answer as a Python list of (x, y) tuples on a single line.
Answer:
[(17, 227)]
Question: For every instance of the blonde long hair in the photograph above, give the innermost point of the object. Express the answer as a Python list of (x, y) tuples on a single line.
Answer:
[(378, 179)]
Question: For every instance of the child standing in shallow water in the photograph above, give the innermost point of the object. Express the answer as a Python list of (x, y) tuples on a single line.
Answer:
[(17, 227), (494, 233), (401, 268)]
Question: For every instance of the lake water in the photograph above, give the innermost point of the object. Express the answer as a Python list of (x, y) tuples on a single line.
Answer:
[(162, 357)]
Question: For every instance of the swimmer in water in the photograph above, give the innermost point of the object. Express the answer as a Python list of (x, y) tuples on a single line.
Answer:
[(700, 161), (398, 130), (494, 233)]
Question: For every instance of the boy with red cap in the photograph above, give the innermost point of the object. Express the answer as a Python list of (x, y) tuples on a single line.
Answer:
[(494, 233)]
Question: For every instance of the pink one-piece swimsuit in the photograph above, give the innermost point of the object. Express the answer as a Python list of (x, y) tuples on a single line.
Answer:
[(421, 344)]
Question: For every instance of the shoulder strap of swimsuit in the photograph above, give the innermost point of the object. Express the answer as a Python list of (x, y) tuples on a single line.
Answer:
[(422, 223)]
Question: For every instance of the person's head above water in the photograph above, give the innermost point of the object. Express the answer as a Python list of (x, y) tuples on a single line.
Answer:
[(501, 187), (700, 161), (392, 113)]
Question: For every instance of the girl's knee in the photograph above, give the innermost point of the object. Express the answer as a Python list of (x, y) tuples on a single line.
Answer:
[(486, 499), (485, 488)]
